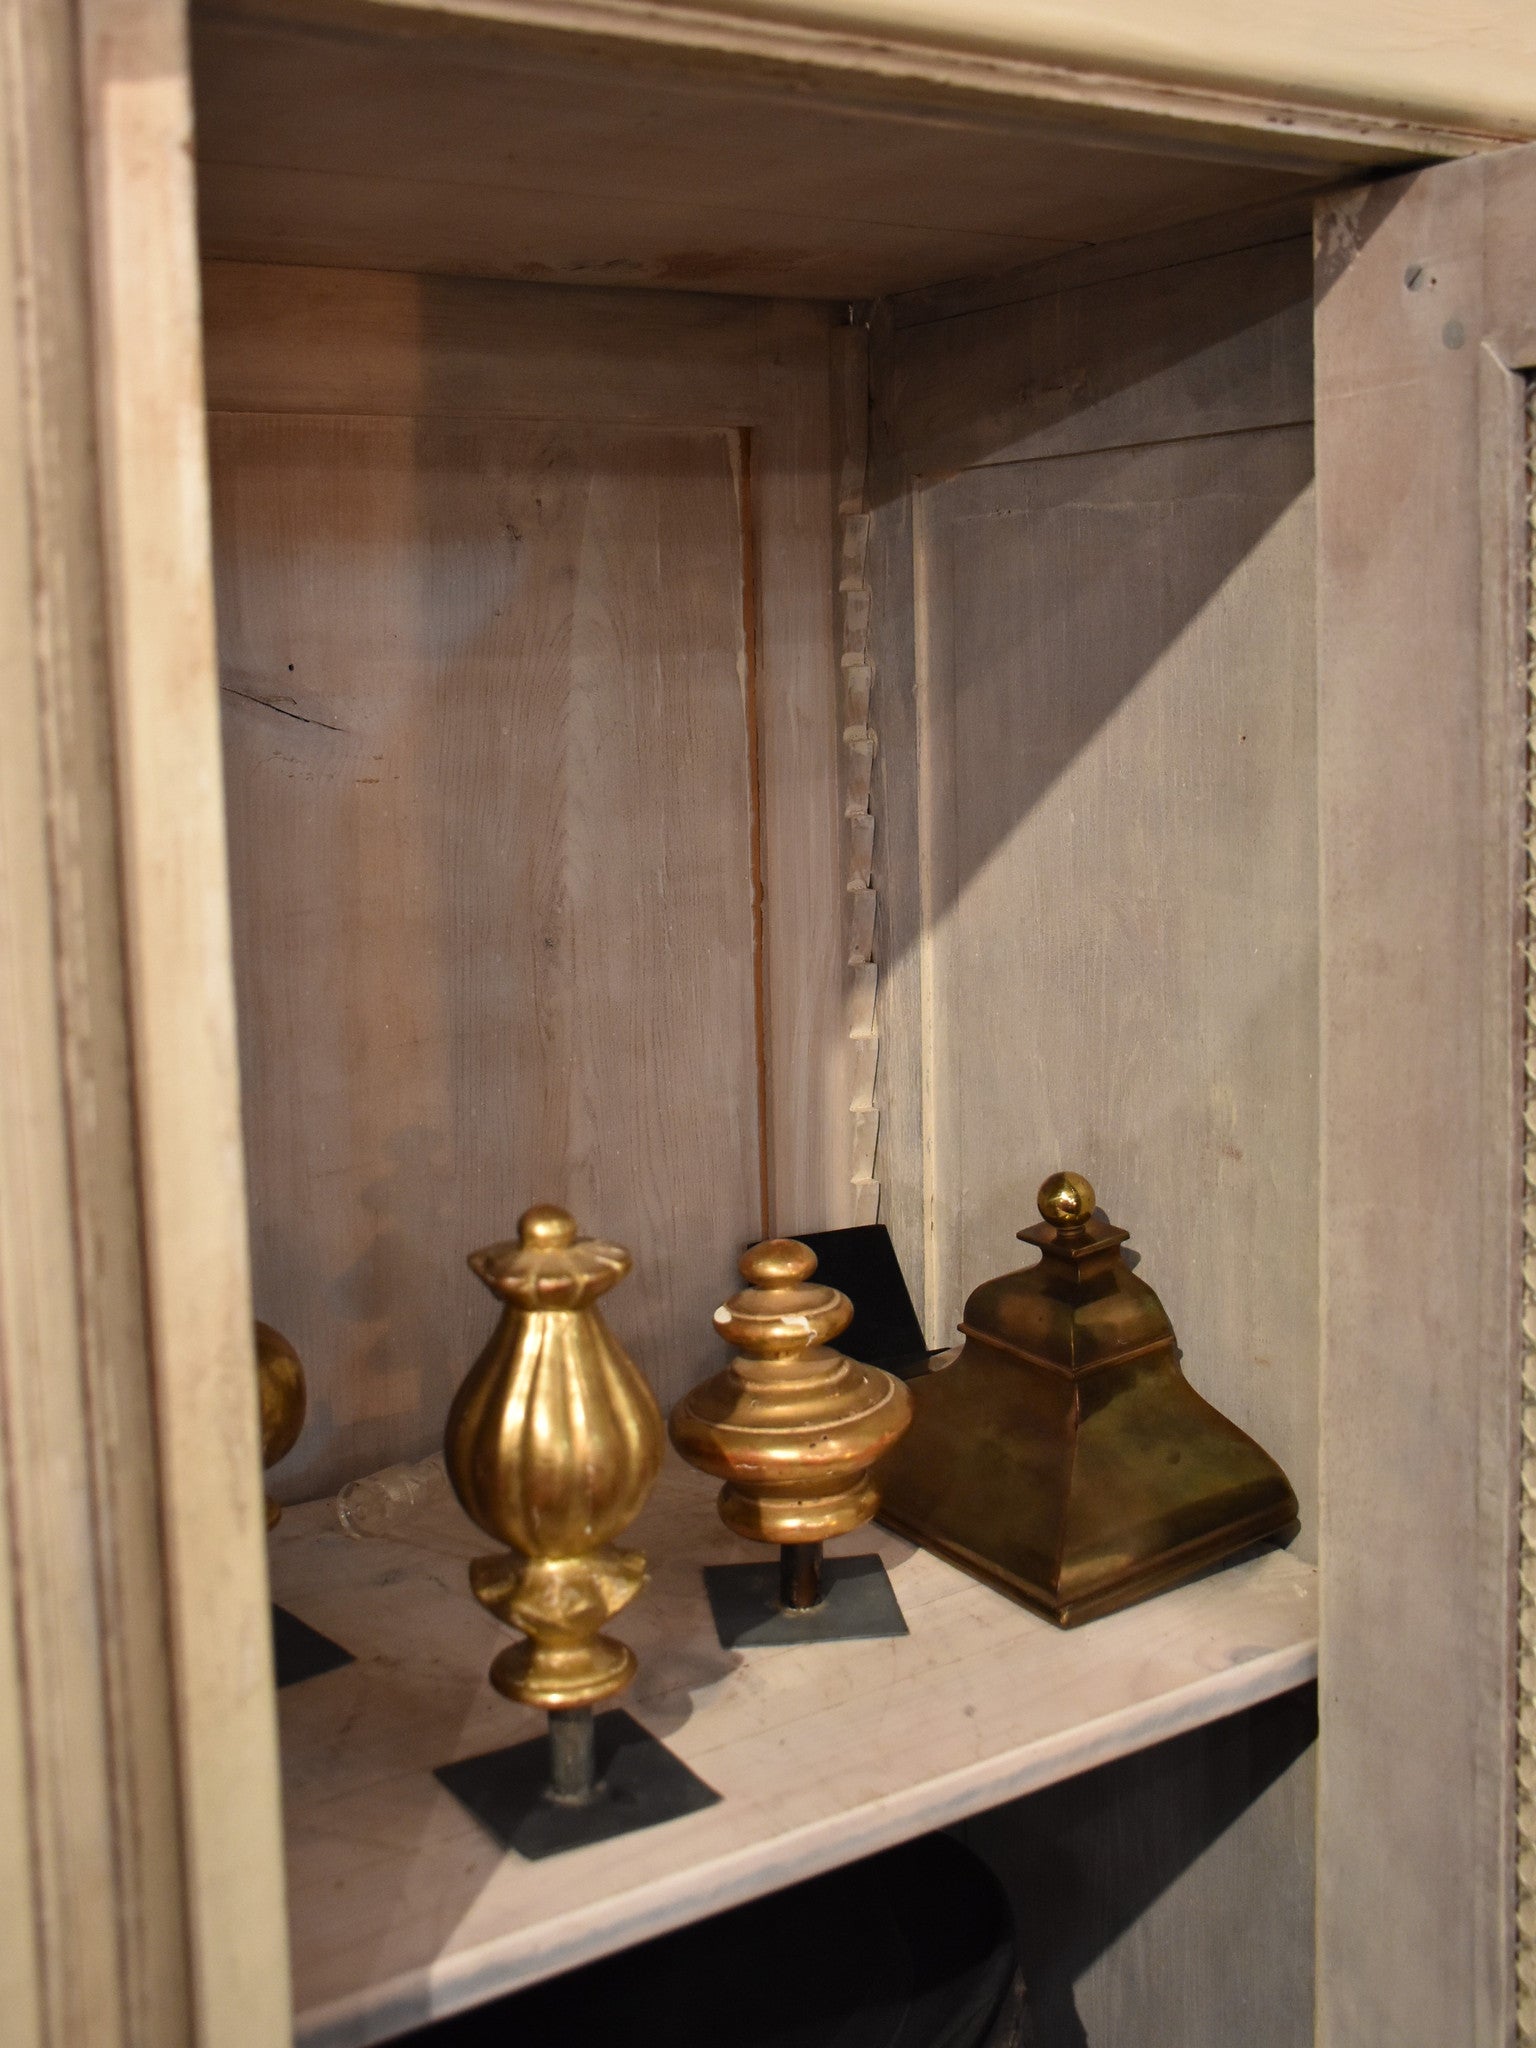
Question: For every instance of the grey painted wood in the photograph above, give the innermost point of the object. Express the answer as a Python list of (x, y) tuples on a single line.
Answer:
[(1138, 1887), (1119, 829), (1208, 347), (893, 697), (1421, 283), (1092, 605)]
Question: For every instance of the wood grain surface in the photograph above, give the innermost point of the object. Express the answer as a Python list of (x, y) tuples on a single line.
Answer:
[(531, 726), (489, 826), (1426, 332), (492, 156), (1092, 596), (402, 1907)]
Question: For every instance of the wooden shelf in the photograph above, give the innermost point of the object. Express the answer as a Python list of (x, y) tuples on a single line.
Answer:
[(402, 1908)]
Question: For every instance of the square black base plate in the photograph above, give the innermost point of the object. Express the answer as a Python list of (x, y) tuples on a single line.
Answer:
[(640, 1783), (299, 1651), (858, 1601)]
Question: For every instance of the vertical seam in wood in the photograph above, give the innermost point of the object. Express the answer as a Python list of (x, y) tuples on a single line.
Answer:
[(862, 967), (928, 1051), (749, 641), (1525, 1768)]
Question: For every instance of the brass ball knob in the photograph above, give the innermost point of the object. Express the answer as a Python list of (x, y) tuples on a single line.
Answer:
[(280, 1386), (1066, 1199)]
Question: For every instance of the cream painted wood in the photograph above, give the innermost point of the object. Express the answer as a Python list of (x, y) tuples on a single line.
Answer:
[(928, 50), (519, 720), (403, 1907), (195, 1273), (1380, 54), (1426, 315), (60, 1962), (135, 1687)]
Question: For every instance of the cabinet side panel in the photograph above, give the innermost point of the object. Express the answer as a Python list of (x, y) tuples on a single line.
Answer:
[(1421, 664), (1094, 595), (135, 1694), (1118, 660)]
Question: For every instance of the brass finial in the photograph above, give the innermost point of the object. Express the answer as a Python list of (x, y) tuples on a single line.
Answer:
[(1064, 1456), (280, 1386), (1067, 1200), (552, 1444), (792, 1427)]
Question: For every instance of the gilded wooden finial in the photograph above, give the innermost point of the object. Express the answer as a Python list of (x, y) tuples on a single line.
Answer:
[(552, 1444), (280, 1385), (791, 1426)]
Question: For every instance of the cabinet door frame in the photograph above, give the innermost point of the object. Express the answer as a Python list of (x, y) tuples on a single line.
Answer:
[(138, 1760), (1426, 336)]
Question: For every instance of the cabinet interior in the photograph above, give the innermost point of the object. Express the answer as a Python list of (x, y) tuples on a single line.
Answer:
[(766, 638)]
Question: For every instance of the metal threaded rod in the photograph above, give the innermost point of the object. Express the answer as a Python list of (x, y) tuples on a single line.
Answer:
[(800, 1575), (572, 1756)]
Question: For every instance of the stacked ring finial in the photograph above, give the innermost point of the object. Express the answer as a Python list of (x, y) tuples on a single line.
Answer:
[(791, 1426)]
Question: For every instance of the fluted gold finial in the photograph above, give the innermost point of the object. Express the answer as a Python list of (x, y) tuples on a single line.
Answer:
[(552, 1444), (792, 1427), (280, 1386)]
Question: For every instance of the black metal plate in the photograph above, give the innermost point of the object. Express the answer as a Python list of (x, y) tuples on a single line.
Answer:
[(858, 1603), (640, 1784), (299, 1651), (861, 1262)]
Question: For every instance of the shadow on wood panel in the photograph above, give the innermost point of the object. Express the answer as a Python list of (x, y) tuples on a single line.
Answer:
[(1084, 1861), (1057, 588), (1204, 348)]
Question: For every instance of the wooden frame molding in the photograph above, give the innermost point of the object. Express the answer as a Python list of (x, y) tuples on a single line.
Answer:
[(850, 370), (1426, 322), (1525, 1793), (1085, 89), (137, 1750)]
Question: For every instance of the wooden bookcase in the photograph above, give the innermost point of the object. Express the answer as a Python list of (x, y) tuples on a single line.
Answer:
[(751, 624)]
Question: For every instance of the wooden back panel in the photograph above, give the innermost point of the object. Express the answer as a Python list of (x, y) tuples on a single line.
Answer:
[(491, 660)]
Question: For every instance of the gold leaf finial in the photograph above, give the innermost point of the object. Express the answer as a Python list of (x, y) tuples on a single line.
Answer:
[(553, 1443), (791, 1426)]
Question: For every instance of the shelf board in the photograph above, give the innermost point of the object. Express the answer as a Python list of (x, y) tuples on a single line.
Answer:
[(402, 1909)]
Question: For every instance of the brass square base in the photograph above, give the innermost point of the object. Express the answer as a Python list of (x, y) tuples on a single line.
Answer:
[(1156, 1575)]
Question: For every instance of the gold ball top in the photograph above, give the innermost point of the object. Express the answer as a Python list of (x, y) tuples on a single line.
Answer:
[(546, 1227), (777, 1262), (1066, 1199)]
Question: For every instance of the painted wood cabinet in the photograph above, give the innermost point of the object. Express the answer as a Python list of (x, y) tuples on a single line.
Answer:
[(752, 623)]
